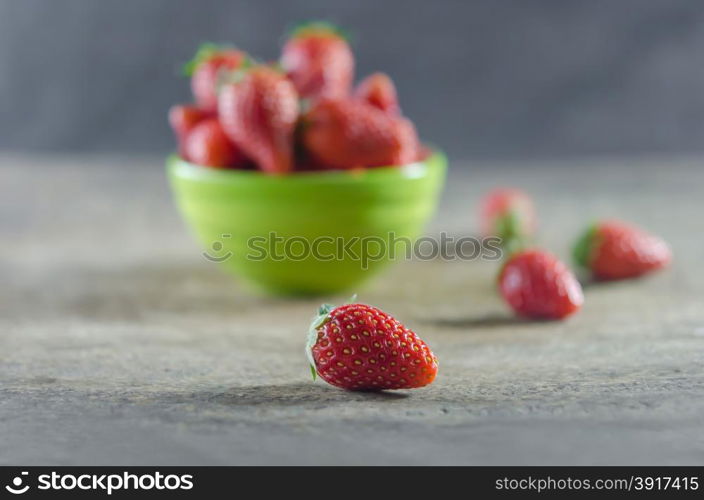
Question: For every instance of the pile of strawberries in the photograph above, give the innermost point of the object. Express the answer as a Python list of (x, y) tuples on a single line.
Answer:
[(301, 113), (535, 283)]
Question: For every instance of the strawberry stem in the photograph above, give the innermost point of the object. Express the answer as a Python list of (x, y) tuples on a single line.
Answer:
[(512, 234), (322, 317), (319, 320), (205, 51), (508, 226), (513, 245), (312, 28)]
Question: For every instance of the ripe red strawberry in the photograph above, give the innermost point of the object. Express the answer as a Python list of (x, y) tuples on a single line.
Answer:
[(537, 285), (358, 347), (410, 150), (206, 71), (183, 118), (614, 250), (379, 91), (318, 61), (507, 213), (208, 145), (349, 134), (259, 114)]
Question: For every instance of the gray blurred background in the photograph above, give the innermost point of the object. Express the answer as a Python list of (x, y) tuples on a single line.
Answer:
[(483, 79)]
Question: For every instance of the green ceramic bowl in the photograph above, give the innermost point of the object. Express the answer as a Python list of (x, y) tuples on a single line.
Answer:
[(310, 232)]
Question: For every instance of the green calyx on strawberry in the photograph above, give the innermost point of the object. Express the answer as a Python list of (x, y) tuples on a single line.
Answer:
[(583, 248), (322, 317), (207, 51), (209, 69), (317, 28), (510, 229)]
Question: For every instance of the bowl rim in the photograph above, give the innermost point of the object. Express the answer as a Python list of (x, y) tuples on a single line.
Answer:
[(181, 168)]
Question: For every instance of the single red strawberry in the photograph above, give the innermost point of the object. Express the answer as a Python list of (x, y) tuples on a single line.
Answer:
[(207, 70), (183, 118), (359, 347), (379, 91), (349, 134), (259, 114), (507, 213), (538, 285), (614, 250), (319, 61), (410, 149), (208, 145)]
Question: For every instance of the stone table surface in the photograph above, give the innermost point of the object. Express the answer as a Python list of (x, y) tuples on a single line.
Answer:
[(121, 344)]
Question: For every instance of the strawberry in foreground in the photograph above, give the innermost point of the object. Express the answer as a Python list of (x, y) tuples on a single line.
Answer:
[(379, 91), (614, 250), (349, 134), (206, 70), (259, 115), (208, 145), (183, 119), (507, 213), (539, 286), (318, 61), (358, 347)]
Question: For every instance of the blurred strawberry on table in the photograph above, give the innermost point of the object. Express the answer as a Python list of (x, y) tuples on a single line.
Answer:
[(209, 69), (509, 214), (259, 114), (319, 61), (537, 285), (614, 250)]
